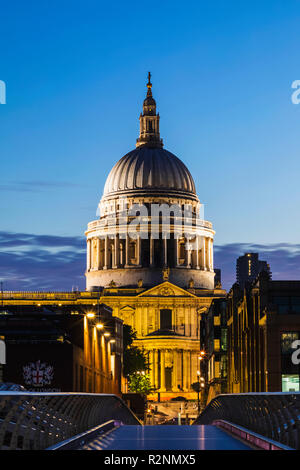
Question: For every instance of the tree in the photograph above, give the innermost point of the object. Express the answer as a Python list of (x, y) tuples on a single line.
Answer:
[(134, 359), (135, 363), (139, 383)]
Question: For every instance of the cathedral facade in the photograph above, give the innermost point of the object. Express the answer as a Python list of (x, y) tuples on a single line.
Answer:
[(151, 256)]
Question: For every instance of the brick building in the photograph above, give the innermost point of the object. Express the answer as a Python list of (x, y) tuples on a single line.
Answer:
[(61, 342), (263, 323)]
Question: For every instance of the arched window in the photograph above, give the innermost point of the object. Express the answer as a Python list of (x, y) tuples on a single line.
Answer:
[(166, 319)]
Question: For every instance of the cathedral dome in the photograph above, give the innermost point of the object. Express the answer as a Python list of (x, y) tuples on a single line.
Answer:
[(149, 228), (150, 170)]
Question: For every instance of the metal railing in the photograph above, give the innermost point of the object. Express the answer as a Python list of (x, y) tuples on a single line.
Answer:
[(79, 441), (34, 421), (273, 415)]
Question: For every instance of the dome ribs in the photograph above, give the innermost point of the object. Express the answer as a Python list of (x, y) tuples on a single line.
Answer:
[(149, 169)]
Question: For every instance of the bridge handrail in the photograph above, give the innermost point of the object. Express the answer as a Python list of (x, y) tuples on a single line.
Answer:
[(76, 442), (36, 420), (275, 415)]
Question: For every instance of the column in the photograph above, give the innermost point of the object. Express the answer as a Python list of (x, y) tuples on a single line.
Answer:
[(116, 251), (88, 255), (155, 363), (188, 252), (203, 254), (187, 327), (126, 250), (112, 258), (105, 252), (212, 254), (176, 252), (180, 370), (209, 254), (151, 360), (151, 241), (98, 253), (174, 377), (165, 252), (139, 251), (197, 252), (121, 254), (162, 371), (188, 370), (185, 251), (185, 371)]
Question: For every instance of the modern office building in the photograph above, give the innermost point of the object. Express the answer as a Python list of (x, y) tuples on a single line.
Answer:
[(248, 267)]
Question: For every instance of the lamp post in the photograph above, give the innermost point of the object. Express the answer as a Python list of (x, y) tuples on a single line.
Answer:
[(202, 366), (198, 390)]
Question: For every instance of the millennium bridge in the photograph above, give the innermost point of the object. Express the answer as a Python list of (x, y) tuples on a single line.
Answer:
[(89, 421)]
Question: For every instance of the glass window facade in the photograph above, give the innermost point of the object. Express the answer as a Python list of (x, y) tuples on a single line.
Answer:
[(224, 339), (290, 383), (287, 305)]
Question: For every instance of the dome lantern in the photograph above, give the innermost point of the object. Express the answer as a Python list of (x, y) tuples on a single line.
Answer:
[(149, 121)]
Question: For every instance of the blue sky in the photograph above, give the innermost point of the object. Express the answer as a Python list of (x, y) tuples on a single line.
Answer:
[(222, 72)]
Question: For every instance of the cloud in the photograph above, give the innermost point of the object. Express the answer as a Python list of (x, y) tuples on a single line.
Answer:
[(41, 262), (17, 240), (48, 262)]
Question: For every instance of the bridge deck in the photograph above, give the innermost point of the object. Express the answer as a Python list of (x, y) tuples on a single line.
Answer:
[(201, 437)]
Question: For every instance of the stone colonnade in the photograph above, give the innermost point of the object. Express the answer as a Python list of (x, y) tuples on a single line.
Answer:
[(171, 369), (116, 252)]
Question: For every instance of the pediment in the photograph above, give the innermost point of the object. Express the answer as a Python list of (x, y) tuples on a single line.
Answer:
[(127, 309), (166, 289)]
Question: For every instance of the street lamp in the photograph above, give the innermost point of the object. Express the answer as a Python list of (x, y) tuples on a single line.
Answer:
[(198, 390), (90, 315)]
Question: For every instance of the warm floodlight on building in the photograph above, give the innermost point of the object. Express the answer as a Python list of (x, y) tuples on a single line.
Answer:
[(99, 326), (107, 334)]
